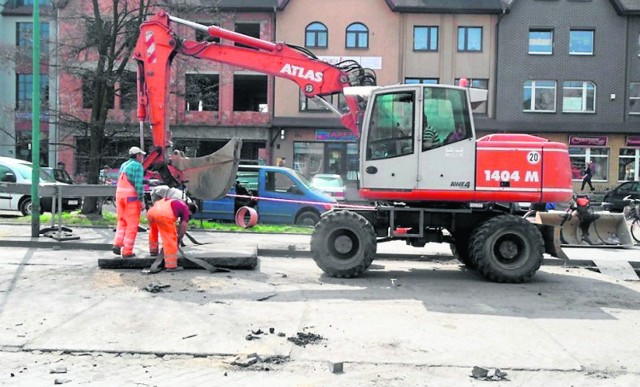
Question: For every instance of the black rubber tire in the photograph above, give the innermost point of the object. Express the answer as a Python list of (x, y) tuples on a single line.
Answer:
[(343, 244), (507, 248), (26, 207), (460, 248), (635, 230), (307, 218)]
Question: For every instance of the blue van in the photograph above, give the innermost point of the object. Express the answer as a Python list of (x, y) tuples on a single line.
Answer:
[(285, 197)]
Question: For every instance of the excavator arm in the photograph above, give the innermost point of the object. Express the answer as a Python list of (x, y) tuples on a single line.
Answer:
[(157, 46)]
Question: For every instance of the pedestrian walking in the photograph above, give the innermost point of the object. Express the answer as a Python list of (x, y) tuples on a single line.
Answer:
[(129, 199), (162, 218), (586, 177)]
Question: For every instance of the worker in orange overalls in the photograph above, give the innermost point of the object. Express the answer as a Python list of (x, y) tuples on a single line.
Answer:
[(162, 218), (129, 200)]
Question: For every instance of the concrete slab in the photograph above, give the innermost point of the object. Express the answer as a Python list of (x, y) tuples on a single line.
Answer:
[(617, 269), (239, 259)]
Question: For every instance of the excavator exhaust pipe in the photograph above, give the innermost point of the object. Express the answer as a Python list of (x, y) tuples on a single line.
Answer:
[(210, 177), (603, 229)]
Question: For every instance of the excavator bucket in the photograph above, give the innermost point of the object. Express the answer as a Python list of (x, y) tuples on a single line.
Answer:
[(605, 229), (210, 177)]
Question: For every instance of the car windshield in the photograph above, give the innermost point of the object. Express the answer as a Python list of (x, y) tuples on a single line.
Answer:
[(25, 171), (326, 181), (302, 178)]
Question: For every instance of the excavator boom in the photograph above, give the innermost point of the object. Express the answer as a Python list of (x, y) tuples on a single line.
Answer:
[(157, 46)]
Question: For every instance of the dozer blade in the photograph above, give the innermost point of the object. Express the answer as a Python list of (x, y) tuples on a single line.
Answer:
[(210, 177), (607, 230)]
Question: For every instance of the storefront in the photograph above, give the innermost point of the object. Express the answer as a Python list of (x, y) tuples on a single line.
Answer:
[(327, 151)]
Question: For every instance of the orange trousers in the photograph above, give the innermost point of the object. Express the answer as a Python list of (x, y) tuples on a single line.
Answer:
[(162, 221), (128, 209)]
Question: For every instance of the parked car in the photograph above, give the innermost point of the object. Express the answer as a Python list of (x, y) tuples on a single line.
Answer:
[(331, 185), (60, 175), (20, 171), (615, 196), (284, 197)]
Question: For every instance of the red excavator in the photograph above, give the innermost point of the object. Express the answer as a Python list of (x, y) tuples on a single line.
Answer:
[(429, 177)]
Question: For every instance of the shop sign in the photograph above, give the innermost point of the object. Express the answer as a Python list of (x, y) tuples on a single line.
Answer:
[(335, 135), (633, 141), (588, 141)]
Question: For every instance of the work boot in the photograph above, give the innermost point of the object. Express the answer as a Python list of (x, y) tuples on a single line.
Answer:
[(174, 269), (585, 238), (153, 253), (116, 250), (132, 255)]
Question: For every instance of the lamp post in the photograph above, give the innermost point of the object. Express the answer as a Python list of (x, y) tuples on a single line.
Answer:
[(35, 124)]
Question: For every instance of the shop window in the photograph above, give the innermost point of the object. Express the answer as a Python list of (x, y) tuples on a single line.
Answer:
[(202, 92), (250, 93), (581, 42), (539, 96), (425, 38), (540, 41), (316, 35), (579, 157), (628, 163), (578, 97), (469, 39)]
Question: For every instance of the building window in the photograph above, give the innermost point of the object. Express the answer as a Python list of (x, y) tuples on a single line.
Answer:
[(316, 35), (579, 157), (357, 36), (425, 38), (250, 93), (425, 81), (24, 36), (23, 3), (249, 29), (128, 90), (628, 164), (470, 39), (578, 97), (202, 36), (306, 104), (202, 92), (581, 42), (539, 96), (88, 93), (634, 98), (478, 83), (541, 42), (24, 92)]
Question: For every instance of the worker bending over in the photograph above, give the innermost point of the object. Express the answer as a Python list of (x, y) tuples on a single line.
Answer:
[(162, 219)]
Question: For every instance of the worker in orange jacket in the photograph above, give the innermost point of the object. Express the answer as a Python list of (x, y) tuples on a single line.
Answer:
[(162, 218), (129, 200)]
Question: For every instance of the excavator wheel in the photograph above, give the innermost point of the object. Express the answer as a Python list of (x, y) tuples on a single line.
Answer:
[(507, 248), (460, 248), (343, 244)]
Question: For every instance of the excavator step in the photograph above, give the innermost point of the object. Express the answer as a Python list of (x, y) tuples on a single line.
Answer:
[(247, 260)]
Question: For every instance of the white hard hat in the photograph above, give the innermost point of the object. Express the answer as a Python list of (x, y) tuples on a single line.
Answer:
[(134, 150)]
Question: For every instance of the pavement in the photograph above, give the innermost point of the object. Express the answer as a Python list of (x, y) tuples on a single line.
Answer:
[(415, 318)]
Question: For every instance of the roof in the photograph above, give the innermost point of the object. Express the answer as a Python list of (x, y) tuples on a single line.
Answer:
[(448, 6), (626, 7), (251, 5)]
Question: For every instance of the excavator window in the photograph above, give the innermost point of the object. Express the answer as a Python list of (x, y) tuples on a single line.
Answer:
[(445, 117), (391, 127)]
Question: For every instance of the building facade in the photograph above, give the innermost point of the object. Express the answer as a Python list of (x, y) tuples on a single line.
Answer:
[(568, 71)]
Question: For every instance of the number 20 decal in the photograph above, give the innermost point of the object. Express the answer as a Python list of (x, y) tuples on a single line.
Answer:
[(533, 157)]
